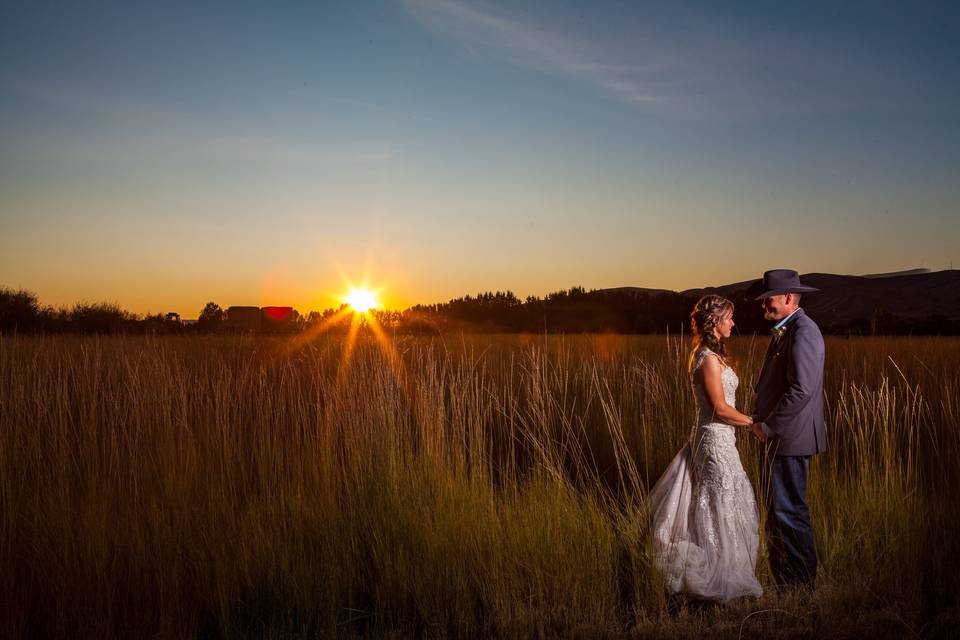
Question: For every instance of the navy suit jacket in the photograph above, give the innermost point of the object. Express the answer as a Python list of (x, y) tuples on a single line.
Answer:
[(790, 389)]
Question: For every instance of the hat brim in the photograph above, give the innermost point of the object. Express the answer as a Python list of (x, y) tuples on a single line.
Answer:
[(779, 292)]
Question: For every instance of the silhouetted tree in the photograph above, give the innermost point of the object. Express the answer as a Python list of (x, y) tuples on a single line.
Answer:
[(19, 311), (54, 320), (100, 317), (211, 318)]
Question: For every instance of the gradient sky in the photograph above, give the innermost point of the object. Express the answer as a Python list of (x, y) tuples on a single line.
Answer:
[(160, 155)]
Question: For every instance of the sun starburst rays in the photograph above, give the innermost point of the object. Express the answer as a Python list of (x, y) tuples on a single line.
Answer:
[(361, 300), (359, 306)]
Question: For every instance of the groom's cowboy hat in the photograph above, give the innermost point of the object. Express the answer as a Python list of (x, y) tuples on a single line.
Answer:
[(780, 281)]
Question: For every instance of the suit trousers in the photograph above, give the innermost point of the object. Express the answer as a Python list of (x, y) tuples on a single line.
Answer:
[(793, 555)]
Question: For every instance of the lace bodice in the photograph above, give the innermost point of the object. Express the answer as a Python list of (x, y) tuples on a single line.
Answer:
[(730, 382)]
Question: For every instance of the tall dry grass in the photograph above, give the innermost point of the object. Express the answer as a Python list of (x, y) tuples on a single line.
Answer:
[(186, 486)]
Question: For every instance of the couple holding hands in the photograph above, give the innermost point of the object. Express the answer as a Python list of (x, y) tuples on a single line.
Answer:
[(705, 521)]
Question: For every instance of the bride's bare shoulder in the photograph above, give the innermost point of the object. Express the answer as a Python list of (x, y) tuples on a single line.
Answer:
[(712, 363), (707, 363)]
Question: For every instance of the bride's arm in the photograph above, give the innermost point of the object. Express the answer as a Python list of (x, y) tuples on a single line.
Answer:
[(710, 371)]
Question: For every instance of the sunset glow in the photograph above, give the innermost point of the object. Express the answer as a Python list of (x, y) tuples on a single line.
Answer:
[(361, 300), (468, 147)]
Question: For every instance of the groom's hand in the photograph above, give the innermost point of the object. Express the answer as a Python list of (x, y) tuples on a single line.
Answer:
[(757, 430)]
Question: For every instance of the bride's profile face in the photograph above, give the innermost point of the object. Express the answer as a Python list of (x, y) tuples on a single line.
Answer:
[(725, 326)]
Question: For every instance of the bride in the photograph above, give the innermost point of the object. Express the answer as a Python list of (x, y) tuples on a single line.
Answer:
[(705, 522)]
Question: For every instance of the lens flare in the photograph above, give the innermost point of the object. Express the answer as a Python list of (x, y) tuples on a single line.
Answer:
[(361, 300)]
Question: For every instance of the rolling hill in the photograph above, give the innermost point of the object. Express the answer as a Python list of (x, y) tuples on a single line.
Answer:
[(904, 297)]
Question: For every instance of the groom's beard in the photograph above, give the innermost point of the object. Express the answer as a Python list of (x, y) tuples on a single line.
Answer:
[(772, 316)]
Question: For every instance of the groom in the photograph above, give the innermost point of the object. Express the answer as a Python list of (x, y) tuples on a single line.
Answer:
[(789, 418)]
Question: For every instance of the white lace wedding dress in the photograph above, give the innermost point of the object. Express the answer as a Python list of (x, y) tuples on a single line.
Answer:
[(705, 522)]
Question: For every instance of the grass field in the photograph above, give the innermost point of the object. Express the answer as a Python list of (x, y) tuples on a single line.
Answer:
[(457, 486)]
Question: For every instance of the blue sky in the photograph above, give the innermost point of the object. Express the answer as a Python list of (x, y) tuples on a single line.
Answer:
[(164, 154)]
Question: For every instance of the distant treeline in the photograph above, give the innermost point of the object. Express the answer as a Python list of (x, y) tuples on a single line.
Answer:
[(575, 310)]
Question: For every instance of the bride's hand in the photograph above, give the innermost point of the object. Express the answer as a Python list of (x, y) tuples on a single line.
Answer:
[(757, 432)]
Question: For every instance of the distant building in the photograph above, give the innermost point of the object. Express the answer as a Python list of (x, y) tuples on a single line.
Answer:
[(173, 316), (261, 319), (243, 319), (278, 319)]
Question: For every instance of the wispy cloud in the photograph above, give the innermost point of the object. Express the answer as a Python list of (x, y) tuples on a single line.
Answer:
[(484, 33), (670, 59)]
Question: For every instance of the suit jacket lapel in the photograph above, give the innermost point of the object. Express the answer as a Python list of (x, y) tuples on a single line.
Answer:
[(774, 341), (766, 361)]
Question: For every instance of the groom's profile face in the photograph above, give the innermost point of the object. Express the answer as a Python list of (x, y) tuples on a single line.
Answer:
[(775, 308)]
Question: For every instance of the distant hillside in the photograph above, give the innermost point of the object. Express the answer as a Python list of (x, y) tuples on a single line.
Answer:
[(908, 272), (636, 291), (908, 297), (722, 290)]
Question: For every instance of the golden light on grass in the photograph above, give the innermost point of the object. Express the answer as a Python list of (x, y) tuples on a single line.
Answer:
[(490, 468)]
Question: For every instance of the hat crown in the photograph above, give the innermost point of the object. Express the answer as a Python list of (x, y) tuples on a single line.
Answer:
[(779, 281), (780, 278)]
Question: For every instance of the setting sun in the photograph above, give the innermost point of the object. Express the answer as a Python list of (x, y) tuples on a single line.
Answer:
[(361, 300)]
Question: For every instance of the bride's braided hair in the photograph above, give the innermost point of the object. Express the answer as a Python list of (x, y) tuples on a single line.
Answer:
[(706, 315)]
